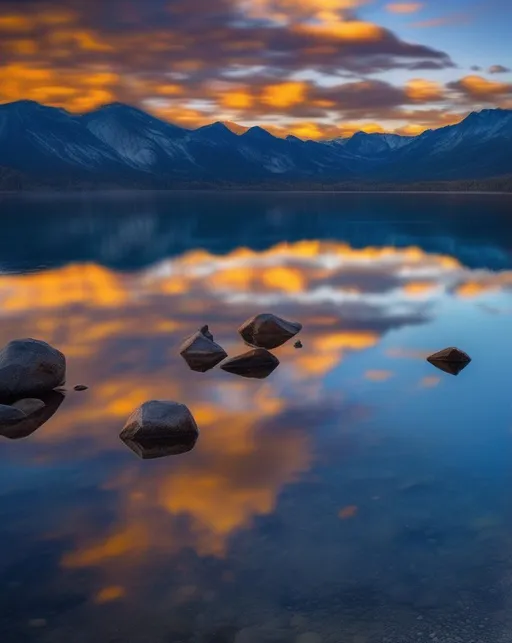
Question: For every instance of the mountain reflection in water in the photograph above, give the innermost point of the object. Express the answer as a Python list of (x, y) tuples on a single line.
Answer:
[(353, 494)]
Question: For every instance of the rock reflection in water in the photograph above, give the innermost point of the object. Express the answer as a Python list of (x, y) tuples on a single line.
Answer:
[(256, 364), (452, 368), (151, 449), (34, 421)]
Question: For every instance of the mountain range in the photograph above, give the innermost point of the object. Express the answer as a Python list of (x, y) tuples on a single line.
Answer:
[(119, 145)]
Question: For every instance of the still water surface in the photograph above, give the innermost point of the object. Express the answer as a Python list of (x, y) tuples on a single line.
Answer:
[(357, 495)]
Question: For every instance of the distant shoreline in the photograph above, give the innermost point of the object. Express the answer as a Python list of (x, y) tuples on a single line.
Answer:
[(131, 191)]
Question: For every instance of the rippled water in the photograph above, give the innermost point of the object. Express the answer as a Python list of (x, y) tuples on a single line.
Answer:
[(357, 495)]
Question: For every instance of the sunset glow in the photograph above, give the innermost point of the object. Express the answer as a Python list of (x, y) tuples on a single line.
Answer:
[(313, 68)]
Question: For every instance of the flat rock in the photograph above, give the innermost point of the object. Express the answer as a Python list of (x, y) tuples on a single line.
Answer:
[(450, 360), (30, 366), (151, 449), (160, 420), (268, 331), (201, 353), (80, 387), (257, 363), (36, 412)]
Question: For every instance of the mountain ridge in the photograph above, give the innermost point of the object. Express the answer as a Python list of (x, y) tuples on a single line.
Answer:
[(118, 144)]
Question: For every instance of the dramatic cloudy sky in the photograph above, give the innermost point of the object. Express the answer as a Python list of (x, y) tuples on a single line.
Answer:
[(317, 68)]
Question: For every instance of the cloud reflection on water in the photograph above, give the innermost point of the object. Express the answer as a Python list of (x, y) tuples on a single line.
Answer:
[(121, 333)]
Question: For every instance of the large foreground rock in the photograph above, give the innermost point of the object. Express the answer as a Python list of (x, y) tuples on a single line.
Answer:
[(257, 364), (36, 412), (160, 420), (450, 360), (268, 331), (200, 351), (30, 367), (151, 449)]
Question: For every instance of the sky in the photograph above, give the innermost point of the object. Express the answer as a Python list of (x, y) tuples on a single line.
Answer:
[(313, 68)]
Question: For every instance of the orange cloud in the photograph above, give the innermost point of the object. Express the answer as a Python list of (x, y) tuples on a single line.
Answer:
[(16, 23), (85, 40), (344, 30), (404, 7), (423, 91), (317, 131), (78, 92), (411, 129), (478, 86), (284, 95), (237, 99)]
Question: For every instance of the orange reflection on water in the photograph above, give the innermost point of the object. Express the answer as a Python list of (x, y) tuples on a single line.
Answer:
[(378, 376), (121, 333)]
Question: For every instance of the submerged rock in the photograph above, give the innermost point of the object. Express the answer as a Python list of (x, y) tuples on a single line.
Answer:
[(30, 366), (201, 353), (257, 364), (268, 331), (151, 449), (450, 360), (160, 420), (36, 412)]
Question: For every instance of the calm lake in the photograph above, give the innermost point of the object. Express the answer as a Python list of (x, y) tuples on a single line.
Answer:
[(356, 495)]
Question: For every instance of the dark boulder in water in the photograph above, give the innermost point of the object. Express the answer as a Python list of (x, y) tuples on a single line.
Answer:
[(30, 366), (160, 420), (257, 364), (205, 330), (268, 331), (201, 353), (450, 360)]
